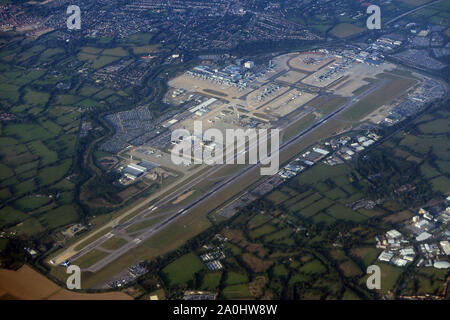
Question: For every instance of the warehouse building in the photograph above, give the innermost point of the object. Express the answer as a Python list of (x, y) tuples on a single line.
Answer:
[(132, 171)]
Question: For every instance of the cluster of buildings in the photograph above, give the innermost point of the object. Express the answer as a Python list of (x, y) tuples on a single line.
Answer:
[(291, 170), (212, 259), (132, 171), (240, 74), (127, 276), (5, 116), (73, 230), (426, 240), (387, 43), (335, 69), (346, 147), (199, 295), (86, 126), (202, 108), (419, 58), (414, 102), (397, 249)]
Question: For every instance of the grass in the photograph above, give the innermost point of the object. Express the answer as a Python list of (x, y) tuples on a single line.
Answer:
[(103, 94), (102, 61), (5, 172), (46, 156), (24, 187), (88, 91), (9, 92), (67, 99), (51, 174), (283, 233), (31, 203), (345, 30), (27, 132), (298, 126), (90, 258), (323, 218), (145, 49), (280, 271), (350, 295), (441, 184), (389, 276), (59, 217), (313, 267), (439, 126), (9, 215), (49, 53), (29, 228), (235, 278), (350, 269), (93, 238), (264, 229), (140, 38), (258, 220), (428, 171), (118, 52), (305, 202), (238, 291), (422, 145), (336, 193), (5, 194), (91, 50), (322, 172), (143, 225), (51, 127), (113, 243), (36, 98), (277, 197), (341, 212), (415, 3), (211, 281), (297, 278), (329, 104), (182, 270), (315, 207)]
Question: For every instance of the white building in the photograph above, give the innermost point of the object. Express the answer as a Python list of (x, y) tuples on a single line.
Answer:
[(385, 256), (393, 234), (423, 236), (441, 265), (249, 64), (445, 245)]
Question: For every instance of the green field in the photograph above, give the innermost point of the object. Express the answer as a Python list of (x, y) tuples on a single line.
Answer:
[(211, 281), (182, 270), (59, 217), (238, 291), (113, 243), (235, 278), (345, 30)]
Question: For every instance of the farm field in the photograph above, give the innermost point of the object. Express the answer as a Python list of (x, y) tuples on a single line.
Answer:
[(28, 284), (345, 30), (38, 154)]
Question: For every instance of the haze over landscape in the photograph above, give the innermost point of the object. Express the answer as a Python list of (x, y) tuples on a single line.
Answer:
[(330, 141)]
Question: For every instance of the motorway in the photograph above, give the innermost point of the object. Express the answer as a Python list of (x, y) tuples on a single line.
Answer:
[(412, 11), (174, 216)]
